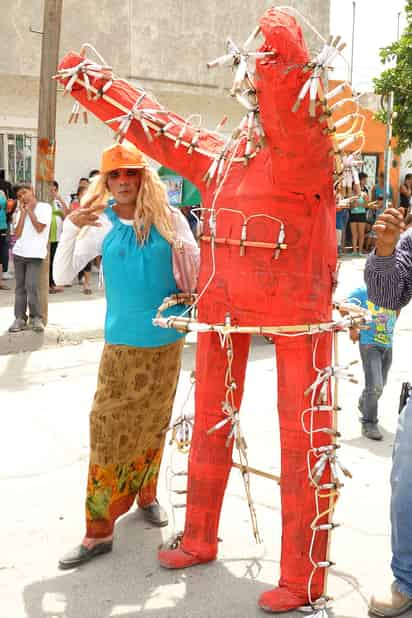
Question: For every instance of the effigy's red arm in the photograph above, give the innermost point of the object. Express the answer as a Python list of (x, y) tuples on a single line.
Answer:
[(162, 135)]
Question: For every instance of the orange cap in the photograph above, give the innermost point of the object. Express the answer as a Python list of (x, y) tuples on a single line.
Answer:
[(121, 156)]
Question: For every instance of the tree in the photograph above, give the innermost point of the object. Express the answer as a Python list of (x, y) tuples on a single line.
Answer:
[(398, 79)]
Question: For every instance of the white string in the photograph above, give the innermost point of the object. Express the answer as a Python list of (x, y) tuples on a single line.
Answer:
[(212, 244), (94, 50)]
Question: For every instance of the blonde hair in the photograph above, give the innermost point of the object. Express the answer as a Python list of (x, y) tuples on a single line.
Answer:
[(152, 206)]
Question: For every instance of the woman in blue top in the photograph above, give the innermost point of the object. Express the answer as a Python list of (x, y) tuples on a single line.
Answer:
[(357, 217), (140, 364)]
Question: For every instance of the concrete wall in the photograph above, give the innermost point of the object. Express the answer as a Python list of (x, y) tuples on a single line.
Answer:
[(162, 45)]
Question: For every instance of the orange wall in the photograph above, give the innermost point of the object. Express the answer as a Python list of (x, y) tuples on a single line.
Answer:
[(375, 136)]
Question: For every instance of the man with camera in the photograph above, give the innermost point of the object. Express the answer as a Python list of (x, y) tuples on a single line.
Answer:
[(388, 275)]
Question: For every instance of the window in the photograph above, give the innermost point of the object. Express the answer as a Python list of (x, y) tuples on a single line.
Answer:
[(16, 157), (371, 167)]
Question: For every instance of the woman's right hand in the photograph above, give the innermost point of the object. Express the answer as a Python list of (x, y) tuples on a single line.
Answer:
[(388, 228), (87, 214)]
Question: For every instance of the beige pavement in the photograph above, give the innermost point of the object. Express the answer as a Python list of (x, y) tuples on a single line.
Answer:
[(73, 316), (45, 399)]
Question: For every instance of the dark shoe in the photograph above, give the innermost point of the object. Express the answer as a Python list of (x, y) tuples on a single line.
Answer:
[(18, 325), (155, 514), (37, 325), (81, 554), (394, 604), (371, 431)]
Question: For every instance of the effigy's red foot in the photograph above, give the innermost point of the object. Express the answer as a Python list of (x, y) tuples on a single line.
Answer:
[(179, 559), (280, 600)]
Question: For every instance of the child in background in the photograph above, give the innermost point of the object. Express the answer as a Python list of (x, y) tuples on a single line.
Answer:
[(375, 345)]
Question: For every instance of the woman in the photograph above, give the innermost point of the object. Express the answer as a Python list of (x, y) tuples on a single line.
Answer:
[(341, 218), (357, 218), (140, 364), (405, 195)]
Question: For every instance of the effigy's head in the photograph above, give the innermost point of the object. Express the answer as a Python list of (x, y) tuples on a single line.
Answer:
[(283, 36), (287, 94)]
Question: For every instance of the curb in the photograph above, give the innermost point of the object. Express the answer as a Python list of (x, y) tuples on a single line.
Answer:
[(29, 341)]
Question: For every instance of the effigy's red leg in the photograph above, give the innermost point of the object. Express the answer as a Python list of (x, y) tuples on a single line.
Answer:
[(295, 374), (210, 458)]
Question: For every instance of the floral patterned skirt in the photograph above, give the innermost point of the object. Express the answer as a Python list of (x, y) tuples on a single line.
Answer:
[(131, 410)]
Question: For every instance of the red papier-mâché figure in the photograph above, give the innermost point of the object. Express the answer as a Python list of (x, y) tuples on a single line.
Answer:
[(268, 258)]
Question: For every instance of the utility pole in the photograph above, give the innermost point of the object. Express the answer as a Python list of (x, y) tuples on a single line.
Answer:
[(388, 149), (46, 143), (353, 41)]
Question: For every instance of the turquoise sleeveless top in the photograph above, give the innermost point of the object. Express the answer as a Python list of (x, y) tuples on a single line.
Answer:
[(3, 212), (137, 279), (360, 209)]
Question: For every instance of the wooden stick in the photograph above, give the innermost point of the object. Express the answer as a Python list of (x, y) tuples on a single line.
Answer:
[(183, 324), (245, 243), (266, 475), (333, 495)]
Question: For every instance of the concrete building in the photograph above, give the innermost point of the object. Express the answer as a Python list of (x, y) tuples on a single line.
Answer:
[(162, 45)]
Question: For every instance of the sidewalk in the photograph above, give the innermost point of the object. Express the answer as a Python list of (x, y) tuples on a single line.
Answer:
[(73, 317)]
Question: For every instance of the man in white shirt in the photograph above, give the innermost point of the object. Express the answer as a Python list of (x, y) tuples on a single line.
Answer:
[(32, 234)]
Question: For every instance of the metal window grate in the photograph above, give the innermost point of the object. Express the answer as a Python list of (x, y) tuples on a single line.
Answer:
[(16, 156)]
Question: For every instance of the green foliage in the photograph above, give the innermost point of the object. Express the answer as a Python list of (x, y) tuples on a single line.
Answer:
[(399, 80)]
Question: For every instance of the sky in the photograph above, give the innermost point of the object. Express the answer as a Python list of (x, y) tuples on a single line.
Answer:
[(376, 23)]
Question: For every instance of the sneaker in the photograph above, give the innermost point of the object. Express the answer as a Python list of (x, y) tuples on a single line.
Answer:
[(394, 604), (37, 325), (18, 325), (7, 276), (371, 431)]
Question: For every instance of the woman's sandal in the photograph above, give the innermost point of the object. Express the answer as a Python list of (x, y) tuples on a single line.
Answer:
[(81, 554)]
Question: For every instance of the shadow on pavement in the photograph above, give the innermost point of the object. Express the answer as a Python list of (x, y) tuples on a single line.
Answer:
[(130, 583), (380, 449)]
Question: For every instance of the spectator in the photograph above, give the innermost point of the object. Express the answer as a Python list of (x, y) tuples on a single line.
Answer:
[(378, 191), (4, 239), (5, 186), (341, 218), (375, 209), (92, 174), (82, 184), (32, 234), (388, 275), (405, 194), (84, 276), (375, 346), (81, 190), (357, 218), (59, 212), (7, 189)]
